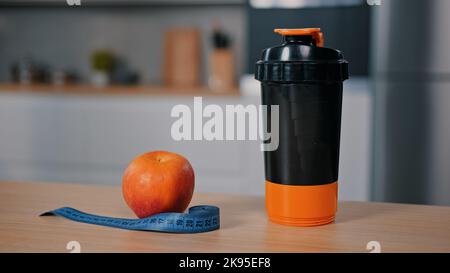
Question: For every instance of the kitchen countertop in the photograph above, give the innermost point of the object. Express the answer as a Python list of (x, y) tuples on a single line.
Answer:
[(244, 226)]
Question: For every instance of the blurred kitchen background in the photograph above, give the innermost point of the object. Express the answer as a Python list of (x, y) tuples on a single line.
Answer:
[(84, 89)]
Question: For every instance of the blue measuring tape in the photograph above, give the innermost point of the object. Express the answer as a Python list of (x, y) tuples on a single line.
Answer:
[(198, 219)]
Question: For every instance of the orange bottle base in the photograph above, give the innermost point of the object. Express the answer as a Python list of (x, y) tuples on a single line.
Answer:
[(302, 206), (298, 222)]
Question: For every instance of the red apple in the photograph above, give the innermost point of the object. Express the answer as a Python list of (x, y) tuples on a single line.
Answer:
[(158, 182)]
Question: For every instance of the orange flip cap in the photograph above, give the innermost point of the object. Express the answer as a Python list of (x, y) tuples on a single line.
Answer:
[(314, 32)]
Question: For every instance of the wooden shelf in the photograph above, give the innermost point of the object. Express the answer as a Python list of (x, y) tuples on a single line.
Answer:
[(85, 89)]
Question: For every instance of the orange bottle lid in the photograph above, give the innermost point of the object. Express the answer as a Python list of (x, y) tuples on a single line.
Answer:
[(316, 33)]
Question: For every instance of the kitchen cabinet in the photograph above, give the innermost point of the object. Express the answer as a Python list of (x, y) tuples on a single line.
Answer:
[(91, 138), (78, 135)]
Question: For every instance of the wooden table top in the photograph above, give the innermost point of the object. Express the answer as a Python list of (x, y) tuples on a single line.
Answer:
[(244, 225)]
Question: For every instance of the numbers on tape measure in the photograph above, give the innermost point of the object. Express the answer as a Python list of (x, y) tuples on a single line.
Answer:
[(198, 219)]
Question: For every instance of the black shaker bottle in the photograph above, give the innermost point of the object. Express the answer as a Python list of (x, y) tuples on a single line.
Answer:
[(306, 80)]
